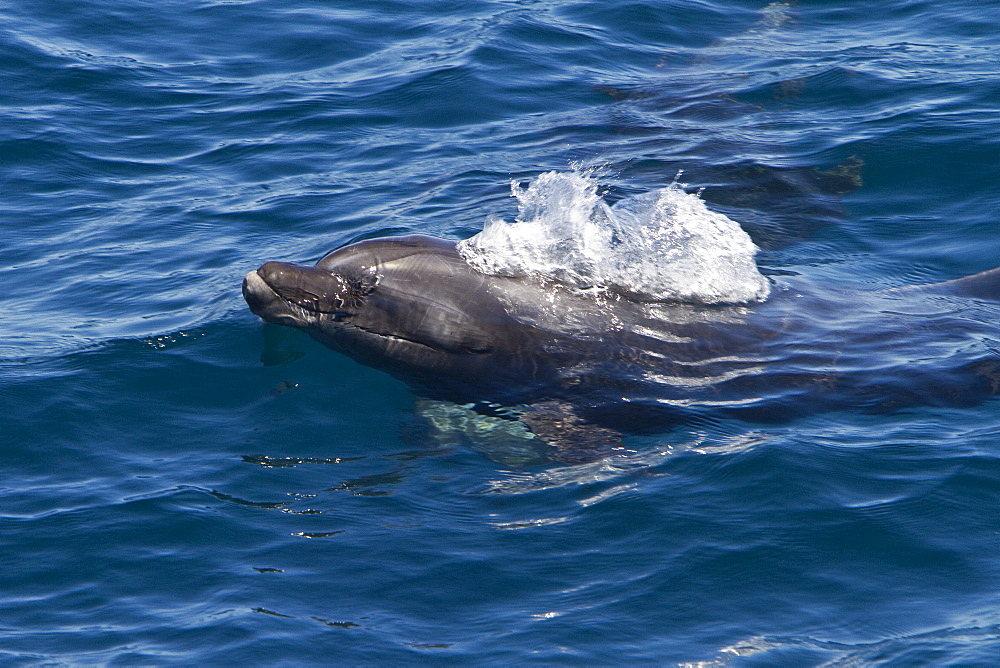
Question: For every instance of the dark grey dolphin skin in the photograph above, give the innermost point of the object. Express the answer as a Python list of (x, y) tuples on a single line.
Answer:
[(413, 307)]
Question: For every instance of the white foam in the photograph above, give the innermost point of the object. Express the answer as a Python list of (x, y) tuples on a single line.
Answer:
[(663, 245)]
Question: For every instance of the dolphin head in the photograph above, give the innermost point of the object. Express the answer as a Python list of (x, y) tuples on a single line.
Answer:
[(403, 304)]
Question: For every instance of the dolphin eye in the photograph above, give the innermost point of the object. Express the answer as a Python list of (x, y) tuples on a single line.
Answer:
[(478, 350)]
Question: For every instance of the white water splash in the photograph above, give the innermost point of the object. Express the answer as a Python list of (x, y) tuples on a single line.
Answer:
[(663, 245)]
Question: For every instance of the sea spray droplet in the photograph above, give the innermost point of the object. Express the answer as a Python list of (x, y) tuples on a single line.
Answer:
[(664, 245)]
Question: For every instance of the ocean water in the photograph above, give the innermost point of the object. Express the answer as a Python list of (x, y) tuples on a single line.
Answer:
[(181, 485)]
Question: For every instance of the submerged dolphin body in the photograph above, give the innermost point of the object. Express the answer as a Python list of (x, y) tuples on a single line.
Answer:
[(591, 366)]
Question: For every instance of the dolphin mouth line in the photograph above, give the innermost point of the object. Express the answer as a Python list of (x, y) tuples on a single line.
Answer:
[(390, 337)]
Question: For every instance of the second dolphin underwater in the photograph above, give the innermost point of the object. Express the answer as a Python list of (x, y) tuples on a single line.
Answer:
[(586, 368)]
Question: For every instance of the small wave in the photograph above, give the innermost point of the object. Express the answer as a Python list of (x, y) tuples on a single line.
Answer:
[(664, 245)]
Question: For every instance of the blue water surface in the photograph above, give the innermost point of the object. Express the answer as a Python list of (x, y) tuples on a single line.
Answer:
[(169, 498)]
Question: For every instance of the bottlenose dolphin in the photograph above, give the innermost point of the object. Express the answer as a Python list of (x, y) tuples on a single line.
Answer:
[(588, 367)]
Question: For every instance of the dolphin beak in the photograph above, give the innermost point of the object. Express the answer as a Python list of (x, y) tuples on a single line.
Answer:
[(266, 303), (290, 294)]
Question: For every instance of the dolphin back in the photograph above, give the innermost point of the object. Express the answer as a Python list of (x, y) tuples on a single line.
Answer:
[(984, 285)]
